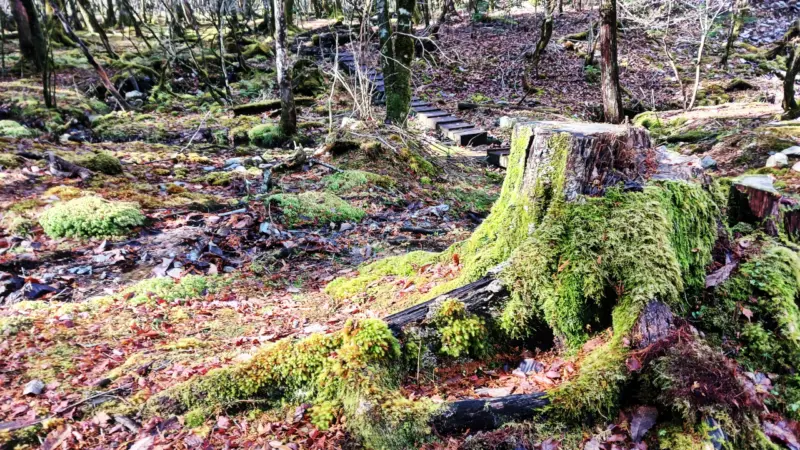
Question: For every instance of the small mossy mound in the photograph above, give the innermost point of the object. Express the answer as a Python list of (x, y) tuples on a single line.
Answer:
[(315, 207), (169, 289), (266, 135), (10, 326), (124, 126), (102, 162), (64, 193), (355, 180), (8, 161), (87, 217), (350, 372), (461, 333), (307, 78), (11, 129)]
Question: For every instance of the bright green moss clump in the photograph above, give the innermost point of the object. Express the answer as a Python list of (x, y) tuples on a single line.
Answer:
[(9, 326), (319, 207), (91, 216), (8, 161), (350, 371), (166, 288), (461, 333), (266, 135), (9, 128), (405, 266), (353, 180), (102, 162)]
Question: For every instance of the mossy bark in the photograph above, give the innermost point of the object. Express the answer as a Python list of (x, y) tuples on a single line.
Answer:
[(397, 51)]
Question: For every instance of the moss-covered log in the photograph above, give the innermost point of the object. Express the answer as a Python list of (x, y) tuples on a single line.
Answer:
[(268, 106)]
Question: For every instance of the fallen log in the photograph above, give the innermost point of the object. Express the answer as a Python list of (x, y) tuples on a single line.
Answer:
[(487, 414), (268, 106), (63, 168)]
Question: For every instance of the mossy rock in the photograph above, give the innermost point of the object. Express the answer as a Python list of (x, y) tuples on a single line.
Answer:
[(355, 180), (9, 161), (91, 216), (266, 135), (307, 78), (102, 162), (11, 129), (315, 207)]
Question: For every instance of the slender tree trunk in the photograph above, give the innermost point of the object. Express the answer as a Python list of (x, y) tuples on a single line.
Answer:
[(111, 18), (545, 32), (792, 68), (289, 12), (697, 64), (737, 21), (125, 16), (288, 112), (101, 73), (397, 50), (612, 95), (95, 26), (31, 38)]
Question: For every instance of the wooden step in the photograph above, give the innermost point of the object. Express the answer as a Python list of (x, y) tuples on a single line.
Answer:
[(468, 136), (415, 102), (434, 122), (498, 157), (424, 109), (446, 127)]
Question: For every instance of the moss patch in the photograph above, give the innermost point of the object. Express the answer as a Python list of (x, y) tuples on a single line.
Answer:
[(355, 180), (315, 207), (102, 162), (91, 216), (266, 135), (11, 129)]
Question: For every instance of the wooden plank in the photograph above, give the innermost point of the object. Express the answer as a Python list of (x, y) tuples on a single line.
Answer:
[(445, 127), (468, 136), (431, 122)]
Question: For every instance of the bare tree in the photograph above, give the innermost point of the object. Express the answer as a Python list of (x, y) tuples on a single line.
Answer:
[(612, 95), (31, 38), (545, 33), (740, 9), (397, 50)]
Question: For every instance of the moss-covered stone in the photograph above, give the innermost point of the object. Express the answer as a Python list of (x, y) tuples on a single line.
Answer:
[(8, 161), (266, 135), (315, 207), (11, 129), (102, 162), (91, 216), (355, 180), (307, 78)]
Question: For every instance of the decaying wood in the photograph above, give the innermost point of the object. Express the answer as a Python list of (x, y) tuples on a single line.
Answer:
[(655, 323), (268, 106), (488, 414), (477, 298), (63, 168)]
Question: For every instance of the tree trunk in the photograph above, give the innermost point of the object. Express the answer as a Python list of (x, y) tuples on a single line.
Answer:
[(792, 68), (545, 32), (737, 21), (111, 17), (288, 10), (31, 38), (86, 7), (612, 94), (101, 73), (288, 112), (397, 50)]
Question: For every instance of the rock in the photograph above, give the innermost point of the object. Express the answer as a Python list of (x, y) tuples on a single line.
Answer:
[(34, 387), (507, 122), (494, 392), (777, 161), (131, 95), (708, 162), (346, 226), (349, 123), (234, 162), (209, 168), (792, 151), (796, 167), (144, 444), (529, 365)]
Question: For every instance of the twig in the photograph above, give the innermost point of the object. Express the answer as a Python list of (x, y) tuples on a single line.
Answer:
[(326, 165)]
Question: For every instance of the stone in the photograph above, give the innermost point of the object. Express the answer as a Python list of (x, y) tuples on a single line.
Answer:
[(529, 365), (792, 151), (234, 162), (777, 161), (346, 226), (34, 387), (507, 122), (708, 162), (130, 95), (796, 167)]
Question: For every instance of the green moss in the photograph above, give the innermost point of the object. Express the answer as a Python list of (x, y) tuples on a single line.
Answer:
[(9, 161), (315, 207), (10, 326), (675, 438), (166, 288), (17, 224), (647, 120), (25, 205), (90, 217), (63, 192), (266, 135), (355, 180), (461, 333), (405, 265), (102, 162), (195, 418), (350, 370), (9, 128), (691, 136)]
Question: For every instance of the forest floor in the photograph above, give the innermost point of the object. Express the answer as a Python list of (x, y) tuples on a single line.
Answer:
[(249, 274)]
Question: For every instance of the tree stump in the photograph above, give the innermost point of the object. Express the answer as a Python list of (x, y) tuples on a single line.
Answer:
[(754, 200)]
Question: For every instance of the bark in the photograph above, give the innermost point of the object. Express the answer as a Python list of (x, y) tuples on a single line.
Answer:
[(31, 38), (754, 200), (101, 73), (792, 68), (86, 7), (545, 32), (612, 94), (488, 414), (61, 167), (791, 33), (284, 70), (397, 50), (737, 22), (111, 17)]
